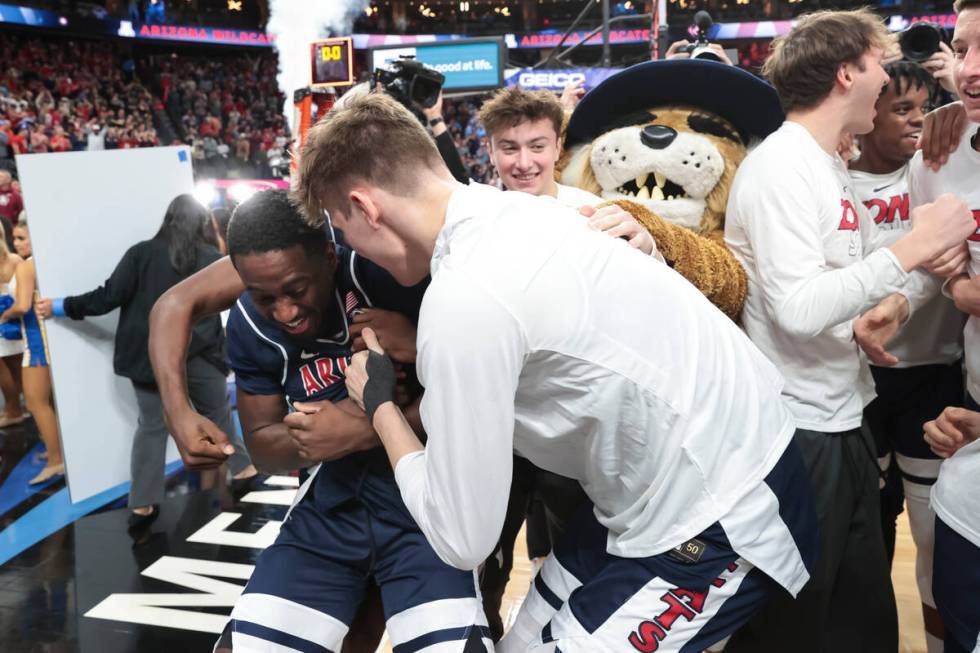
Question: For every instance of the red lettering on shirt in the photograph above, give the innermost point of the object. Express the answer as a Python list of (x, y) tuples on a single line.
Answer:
[(886, 211), (976, 234), (849, 217), (310, 382), (325, 367)]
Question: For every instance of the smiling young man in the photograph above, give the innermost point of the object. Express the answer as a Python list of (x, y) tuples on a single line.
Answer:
[(815, 262), (663, 410), (523, 129), (928, 376), (289, 342), (956, 494)]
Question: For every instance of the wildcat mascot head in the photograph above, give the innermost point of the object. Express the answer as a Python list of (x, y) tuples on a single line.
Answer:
[(668, 135)]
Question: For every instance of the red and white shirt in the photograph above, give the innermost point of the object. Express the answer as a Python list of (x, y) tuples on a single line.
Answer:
[(815, 260), (934, 334)]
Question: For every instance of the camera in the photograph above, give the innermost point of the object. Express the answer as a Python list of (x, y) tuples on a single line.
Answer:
[(701, 48), (410, 82), (920, 41)]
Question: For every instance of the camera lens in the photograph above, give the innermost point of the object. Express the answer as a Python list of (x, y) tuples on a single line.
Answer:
[(920, 41)]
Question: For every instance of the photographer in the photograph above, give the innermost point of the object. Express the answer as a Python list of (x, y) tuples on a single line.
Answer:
[(418, 88), (924, 43), (701, 48), (682, 50), (444, 140)]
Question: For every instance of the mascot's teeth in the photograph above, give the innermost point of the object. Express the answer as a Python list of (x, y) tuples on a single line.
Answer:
[(657, 194), (641, 180), (660, 179), (643, 194)]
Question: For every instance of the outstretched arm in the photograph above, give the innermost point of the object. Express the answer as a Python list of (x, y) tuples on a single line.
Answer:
[(201, 443)]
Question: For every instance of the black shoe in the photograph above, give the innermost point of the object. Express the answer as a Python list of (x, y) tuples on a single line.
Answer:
[(242, 486), (140, 523)]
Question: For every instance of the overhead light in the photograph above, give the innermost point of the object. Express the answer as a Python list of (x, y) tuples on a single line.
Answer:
[(205, 193), (241, 192)]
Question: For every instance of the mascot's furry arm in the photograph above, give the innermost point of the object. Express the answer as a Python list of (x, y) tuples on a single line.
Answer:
[(702, 260)]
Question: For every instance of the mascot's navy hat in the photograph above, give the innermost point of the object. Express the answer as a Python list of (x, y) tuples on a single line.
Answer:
[(738, 96)]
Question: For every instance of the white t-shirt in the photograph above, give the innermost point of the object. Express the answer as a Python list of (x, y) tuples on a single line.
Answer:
[(934, 333), (960, 176), (956, 495), (815, 261), (576, 197), (597, 363)]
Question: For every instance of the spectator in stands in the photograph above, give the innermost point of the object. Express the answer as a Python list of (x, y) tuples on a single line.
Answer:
[(470, 139), (52, 94), (144, 273), (11, 203), (226, 101)]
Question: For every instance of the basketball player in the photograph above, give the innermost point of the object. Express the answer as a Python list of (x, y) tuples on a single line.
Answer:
[(956, 581), (928, 375), (289, 338)]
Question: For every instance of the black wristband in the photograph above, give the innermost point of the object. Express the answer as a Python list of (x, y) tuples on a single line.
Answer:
[(380, 386), (435, 121)]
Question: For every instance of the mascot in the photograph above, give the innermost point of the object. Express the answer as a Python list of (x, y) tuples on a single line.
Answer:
[(663, 140)]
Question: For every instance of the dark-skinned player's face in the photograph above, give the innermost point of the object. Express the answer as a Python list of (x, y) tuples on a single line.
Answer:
[(290, 287), (898, 122)]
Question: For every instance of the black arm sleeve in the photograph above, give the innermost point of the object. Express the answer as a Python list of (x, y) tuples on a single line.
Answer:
[(116, 291), (449, 154)]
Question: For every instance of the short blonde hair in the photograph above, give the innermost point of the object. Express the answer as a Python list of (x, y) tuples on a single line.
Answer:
[(373, 139), (802, 65), (961, 5)]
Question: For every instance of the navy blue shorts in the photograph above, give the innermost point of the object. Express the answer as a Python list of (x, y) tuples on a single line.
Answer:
[(585, 599), (956, 587), (307, 586)]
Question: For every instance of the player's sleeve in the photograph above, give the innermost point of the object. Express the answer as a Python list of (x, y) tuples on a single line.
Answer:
[(471, 352), (257, 371), (383, 291), (802, 294)]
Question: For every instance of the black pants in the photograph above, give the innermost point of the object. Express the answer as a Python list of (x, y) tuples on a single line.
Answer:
[(907, 398), (848, 605)]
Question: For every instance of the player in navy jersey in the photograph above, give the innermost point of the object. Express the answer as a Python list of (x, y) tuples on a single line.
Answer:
[(289, 341)]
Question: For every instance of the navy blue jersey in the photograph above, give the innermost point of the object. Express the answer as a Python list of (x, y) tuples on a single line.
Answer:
[(267, 361)]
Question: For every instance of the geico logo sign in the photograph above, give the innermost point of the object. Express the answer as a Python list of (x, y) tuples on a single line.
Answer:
[(549, 80)]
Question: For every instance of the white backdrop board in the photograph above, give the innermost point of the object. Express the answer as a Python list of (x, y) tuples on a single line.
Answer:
[(85, 209)]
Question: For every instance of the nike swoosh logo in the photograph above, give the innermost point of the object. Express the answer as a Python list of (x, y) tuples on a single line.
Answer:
[(306, 356), (878, 190)]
